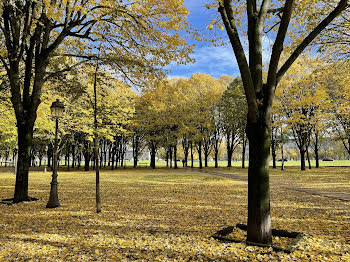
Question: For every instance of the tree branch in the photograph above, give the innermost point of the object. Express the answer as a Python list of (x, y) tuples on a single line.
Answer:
[(276, 53), (312, 35), (226, 12)]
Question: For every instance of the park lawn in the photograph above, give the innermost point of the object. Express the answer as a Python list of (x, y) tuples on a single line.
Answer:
[(325, 179), (221, 163), (164, 215)]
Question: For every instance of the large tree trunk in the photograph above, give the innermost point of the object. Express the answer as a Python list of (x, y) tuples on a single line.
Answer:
[(259, 220), (25, 136)]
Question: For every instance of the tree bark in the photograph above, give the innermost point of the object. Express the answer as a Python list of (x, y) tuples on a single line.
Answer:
[(316, 150), (308, 158), (191, 148), (87, 156), (167, 157), (244, 145), (259, 220), (229, 157), (200, 154), (273, 150), (25, 136), (302, 159), (73, 155), (175, 157), (282, 154)]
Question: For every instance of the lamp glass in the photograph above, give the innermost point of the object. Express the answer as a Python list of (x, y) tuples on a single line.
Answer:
[(57, 109)]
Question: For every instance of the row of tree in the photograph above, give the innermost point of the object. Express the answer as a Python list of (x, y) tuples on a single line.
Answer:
[(197, 116)]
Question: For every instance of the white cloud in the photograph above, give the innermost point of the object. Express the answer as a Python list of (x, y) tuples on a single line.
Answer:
[(216, 61)]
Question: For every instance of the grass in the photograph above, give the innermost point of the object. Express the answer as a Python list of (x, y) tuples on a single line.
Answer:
[(167, 215), (290, 163)]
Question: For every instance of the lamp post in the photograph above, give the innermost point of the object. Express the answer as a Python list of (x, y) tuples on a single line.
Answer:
[(56, 112)]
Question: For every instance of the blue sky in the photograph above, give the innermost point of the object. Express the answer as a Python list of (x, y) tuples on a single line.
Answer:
[(216, 61)]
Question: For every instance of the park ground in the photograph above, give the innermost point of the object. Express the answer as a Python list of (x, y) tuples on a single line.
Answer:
[(169, 215)]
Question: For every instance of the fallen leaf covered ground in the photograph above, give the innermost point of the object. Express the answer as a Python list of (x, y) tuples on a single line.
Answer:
[(167, 215)]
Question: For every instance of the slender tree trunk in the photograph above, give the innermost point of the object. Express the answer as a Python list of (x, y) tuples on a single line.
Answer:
[(302, 159), (191, 146), (68, 154), (87, 157), (113, 158), (186, 158), (259, 220), (308, 158), (185, 146), (316, 150), (244, 145), (206, 158), (282, 154), (171, 156), (273, 150), (153, 156), (110, 154), (229, 150), (175, 157), (216, 153), (96, 142), (200, 154), (229, 157), (79, 159), (73, 155), (167, 157)]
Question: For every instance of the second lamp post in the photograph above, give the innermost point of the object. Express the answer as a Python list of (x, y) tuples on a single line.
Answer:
[(57, 109)]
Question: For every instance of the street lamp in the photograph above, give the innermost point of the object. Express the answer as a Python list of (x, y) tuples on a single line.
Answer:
[(57, 109)]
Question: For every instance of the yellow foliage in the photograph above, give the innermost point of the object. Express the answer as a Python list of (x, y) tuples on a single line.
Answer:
[(165, 215)]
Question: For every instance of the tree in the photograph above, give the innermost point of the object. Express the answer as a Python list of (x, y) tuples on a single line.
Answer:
[(336, 81), (37, 38), (303, 102), (207, 91), (265, 17), (233, 112)]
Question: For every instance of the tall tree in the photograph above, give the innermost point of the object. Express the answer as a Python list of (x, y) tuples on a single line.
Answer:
[(261, 17), (303, 102), (233, 111), (35, 35), (336, 80)]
